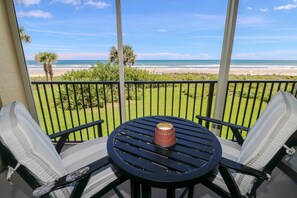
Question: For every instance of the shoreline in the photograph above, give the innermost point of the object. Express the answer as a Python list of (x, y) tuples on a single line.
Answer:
[(38, 72)]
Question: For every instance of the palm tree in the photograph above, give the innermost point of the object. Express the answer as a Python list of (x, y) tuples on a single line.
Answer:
[(24, 37), (47, 58), (129, 56)]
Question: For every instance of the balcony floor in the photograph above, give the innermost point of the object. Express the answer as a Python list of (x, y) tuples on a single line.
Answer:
[(279, 186)]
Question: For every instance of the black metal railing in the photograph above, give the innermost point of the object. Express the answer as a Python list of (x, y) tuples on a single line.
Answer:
[(245, 100), (62, 105)]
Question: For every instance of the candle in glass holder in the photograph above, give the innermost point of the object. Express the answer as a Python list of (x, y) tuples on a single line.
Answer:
[(165, 134)]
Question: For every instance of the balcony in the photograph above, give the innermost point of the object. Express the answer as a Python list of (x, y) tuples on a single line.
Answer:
[(63, 105)]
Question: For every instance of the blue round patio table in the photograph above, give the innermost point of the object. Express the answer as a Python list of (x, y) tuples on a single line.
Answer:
[(194, 158)]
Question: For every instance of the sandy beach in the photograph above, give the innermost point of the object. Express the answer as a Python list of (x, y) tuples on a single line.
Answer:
[(34, 72)]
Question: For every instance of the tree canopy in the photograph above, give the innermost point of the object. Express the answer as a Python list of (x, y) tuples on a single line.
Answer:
[(129, 56), (47, 58), (24, 36)]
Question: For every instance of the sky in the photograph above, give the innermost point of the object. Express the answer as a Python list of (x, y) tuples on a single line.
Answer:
[(159, 29)]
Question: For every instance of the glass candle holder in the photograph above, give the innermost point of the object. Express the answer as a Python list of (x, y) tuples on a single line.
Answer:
[(165, 134)]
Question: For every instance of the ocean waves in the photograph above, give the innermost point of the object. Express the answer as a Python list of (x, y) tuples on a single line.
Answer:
[(191, 64)]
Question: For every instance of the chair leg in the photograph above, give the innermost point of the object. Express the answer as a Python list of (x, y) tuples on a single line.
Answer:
[(191, 192), (135, 189), (170, 192), (146, 191), (229, 181), (119, 194)]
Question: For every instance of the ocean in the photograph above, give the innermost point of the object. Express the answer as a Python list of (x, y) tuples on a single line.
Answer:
[(175, 64)]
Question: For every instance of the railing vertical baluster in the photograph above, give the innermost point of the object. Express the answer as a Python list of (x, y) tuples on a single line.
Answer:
[(194, 102), (77, 110), (98, 108), (180, 98), (293, 88), (112, 105), (55, 107), (70, 110), (187, 103), (84, 109), (172, 105), (225, 106), (91, 106), (42, 111), (239, 103), (129, 105), (209, 102), (151, 100), (136, 99), (120, 99), (286, 86), (143, 96), (105, 106), (246, 104), (254, 103), (279, 86), (263, 93), (165, 98), (271, 90), (158, 99), (201, 101), (231, 108), (62, 105), (48, 108)]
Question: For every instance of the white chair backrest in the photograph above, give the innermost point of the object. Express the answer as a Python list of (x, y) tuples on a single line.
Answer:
[(30, 146), (273, 128)]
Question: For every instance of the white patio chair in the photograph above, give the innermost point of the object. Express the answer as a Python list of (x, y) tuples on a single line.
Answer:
[(82, 170), (247, 163)]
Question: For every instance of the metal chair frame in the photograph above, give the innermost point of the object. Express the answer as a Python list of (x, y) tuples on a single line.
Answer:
[(226, 165), (80, 182)]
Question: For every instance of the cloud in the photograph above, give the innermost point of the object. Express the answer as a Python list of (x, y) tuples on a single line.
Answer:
[(92, 3), (97, 4), (263, 10), (173, 56), (251, 20), (162, 30), (268, 55), (72, 2), (249, 8), (267, 37), (83, 55), (101, 34), (244, 55), (35, 13), (27, 3), (287, 7)]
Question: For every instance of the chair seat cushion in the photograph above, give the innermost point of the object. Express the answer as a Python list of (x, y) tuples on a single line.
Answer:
[(231, 150), (85, 153)]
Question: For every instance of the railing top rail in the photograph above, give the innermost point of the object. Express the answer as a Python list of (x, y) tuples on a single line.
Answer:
[(128, 82), (162, 82), (171, 81), (262, 81)]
